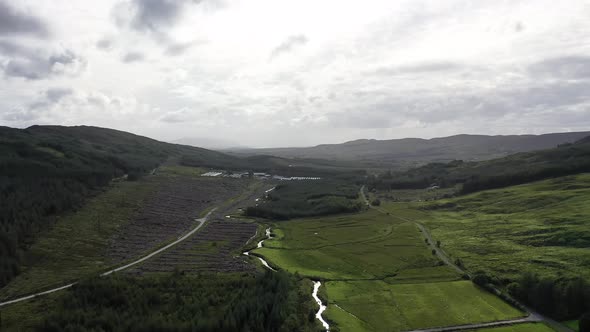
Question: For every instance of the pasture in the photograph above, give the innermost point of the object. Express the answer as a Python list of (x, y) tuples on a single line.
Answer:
[(379, 274), (541, 227), (382, 306)]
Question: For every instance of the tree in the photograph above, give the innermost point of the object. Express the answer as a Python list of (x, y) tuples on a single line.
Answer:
[(584, 323)]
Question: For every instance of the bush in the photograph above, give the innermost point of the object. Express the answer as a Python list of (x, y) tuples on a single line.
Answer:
[(376, 202)]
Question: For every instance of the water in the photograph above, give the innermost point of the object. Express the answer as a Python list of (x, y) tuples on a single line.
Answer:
[(318, 315)]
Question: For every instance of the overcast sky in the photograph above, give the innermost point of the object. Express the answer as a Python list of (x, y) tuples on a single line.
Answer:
[(293, 73)]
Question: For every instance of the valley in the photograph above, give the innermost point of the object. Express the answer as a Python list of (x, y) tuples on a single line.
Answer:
[(346, 251)]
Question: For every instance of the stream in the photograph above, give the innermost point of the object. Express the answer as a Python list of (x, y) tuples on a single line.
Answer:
[(318, 315), (259, 245), (316, 284)]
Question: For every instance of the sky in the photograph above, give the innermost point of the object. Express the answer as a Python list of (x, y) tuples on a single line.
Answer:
[(267, 73)]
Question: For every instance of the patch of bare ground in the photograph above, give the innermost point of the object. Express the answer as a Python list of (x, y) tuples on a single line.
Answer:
[(215, 248), (168, 213)]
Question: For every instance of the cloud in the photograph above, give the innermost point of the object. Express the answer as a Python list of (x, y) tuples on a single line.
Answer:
[(31, 64), (418, 68), (179, 48), (56, 94), (133, 57), (149, 15), (105, 44), (289, 45), (565, 67), (178, 116), (14, 22)]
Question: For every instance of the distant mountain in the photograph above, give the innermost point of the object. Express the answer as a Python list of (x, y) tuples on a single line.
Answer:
[(471, 176), (209, 143), (411, 151)]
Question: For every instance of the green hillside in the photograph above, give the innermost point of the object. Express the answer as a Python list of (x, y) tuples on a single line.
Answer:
[(532, 239)]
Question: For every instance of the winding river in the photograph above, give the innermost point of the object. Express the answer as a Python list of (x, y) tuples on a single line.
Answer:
[(316, 284)]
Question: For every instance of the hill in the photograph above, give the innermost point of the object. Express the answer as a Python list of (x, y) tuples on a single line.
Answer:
[(473, 176), (411, 151), (46, 171)]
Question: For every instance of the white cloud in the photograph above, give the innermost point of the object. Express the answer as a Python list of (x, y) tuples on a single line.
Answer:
[(339, 70)]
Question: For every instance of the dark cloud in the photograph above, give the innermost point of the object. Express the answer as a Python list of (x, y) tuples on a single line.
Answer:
[(149, 15), (14, 22), (567, 67), (153, 14), (289, 45), (35, 64), (133, 57)]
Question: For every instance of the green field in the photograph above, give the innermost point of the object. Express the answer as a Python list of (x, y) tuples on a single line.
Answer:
[(529, 327), (541, 227), (379, 274), (370, 245), (382, 306)]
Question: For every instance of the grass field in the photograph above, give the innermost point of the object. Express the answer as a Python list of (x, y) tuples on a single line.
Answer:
[(370, 245), (381, 306), (541, 227), (529, 327), (379, 274)]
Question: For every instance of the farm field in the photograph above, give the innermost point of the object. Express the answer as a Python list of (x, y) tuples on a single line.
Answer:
[(370, 245), (379, 274), (122, 223), (541, 227), (384, 306)]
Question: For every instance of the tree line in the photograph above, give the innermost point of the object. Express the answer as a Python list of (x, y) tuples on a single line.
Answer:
[(308, 198)]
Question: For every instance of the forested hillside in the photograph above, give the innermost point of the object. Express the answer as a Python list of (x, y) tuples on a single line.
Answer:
[(519, 168), (46, 171)]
